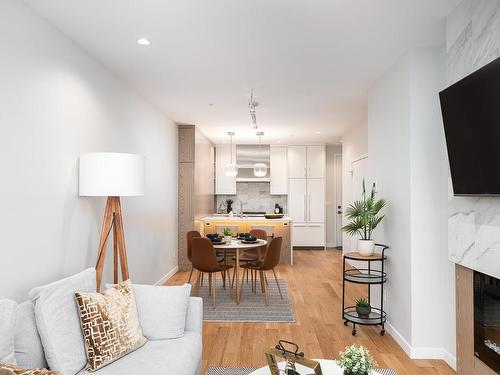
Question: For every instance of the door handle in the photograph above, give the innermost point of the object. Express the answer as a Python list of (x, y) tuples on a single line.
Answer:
[(305, 207), (305, 172), (309, 206)]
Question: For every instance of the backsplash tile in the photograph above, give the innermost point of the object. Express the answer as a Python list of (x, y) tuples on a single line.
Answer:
[(255, 196)]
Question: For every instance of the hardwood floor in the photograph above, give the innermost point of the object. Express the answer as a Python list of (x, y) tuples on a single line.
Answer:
[(315, 286)]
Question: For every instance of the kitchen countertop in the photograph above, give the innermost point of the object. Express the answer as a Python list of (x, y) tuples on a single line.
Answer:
[(236, 218)]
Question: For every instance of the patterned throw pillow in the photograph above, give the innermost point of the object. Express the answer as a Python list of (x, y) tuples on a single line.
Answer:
[(7, 369), (110, 324)]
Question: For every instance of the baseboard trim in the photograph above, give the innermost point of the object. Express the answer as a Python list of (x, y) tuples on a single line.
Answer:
[(421, 353), (167, 276)]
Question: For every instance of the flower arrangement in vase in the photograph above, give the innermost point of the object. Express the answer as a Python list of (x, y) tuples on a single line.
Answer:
[(356, 360)]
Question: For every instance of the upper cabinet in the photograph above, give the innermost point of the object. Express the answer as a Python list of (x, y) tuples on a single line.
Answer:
[(306, 161), (316, 161), (297, 161), (279, 170), (224, 184)]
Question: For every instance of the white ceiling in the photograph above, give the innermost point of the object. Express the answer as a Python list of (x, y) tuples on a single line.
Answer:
[(310, 62)]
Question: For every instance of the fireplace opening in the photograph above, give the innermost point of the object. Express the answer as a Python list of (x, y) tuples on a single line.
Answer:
[(487, 320)]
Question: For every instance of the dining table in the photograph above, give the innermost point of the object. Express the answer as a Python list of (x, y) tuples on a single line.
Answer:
[(236, 246)]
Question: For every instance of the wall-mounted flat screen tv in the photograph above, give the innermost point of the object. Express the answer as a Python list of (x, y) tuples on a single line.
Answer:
[(471, 116)]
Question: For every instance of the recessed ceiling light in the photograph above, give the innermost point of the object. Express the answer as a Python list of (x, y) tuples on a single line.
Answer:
[(143, 41), (318, 132)]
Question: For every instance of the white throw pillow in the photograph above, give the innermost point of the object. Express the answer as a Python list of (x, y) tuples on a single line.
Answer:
[(29, 350), (162, 310), (58, 321), (8, 313)]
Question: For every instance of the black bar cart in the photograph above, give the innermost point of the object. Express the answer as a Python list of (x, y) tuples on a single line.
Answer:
[(366, 276)]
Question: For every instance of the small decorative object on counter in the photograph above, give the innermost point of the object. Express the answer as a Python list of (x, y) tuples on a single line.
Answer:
[(363, 307), (363, 216), (356, 360), (291, 356), (229, 205)]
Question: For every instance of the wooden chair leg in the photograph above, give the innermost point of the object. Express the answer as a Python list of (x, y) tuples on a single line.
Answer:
[(197, 285), (202, 279), (277, 284), (263, 282), (212, 282), (190, 275), (223, 274), (247, 271)]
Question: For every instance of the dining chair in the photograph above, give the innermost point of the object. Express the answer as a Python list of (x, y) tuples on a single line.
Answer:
[(252, 255), (189, 238), (270, 261), (205, 261)]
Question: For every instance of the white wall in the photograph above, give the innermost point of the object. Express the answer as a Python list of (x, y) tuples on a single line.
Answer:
[(389, 161), (354, 146), (408, 161), (56, 102), (330, 203)]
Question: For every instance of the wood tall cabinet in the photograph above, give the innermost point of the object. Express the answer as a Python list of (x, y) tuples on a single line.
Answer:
[(306, 194), (195, 185)]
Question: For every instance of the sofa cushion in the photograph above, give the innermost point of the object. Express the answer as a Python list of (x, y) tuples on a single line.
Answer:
[(110, 324), (8, 369), (180, 356), (162, 310), (7, 330), (58, 324), (29, 350)]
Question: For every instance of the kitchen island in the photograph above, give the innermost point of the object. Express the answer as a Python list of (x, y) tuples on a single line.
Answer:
[(273, 227)]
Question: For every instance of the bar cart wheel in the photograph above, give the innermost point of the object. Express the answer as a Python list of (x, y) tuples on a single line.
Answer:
[(346, 322), (354, 332), (382, 333)]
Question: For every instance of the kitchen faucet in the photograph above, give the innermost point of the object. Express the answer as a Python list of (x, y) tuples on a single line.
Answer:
[(241, 209)]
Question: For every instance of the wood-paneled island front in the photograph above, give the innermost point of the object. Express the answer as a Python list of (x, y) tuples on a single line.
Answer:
[(273, 227)]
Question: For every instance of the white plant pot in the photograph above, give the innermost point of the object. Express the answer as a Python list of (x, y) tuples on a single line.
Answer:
[(366, 247), (228, 239)]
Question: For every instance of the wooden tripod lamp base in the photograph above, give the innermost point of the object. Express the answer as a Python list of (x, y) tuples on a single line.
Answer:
[(112, 221)]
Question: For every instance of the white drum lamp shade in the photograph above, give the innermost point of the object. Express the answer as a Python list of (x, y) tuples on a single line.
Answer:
[(109, 174)]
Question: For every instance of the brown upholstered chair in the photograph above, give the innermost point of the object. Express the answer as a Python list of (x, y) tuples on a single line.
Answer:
[(270, 261), (189, 237), (204, 260)]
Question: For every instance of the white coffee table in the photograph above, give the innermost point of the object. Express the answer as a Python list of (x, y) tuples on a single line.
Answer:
[(328, 367)]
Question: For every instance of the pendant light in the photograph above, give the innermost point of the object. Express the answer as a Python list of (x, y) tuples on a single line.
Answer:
[(260, 169), (231, 168)]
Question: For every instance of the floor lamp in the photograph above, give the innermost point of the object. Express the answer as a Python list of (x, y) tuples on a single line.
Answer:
[(111, 175)]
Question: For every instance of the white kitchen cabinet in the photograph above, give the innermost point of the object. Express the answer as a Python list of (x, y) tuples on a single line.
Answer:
[(297, 161), (306, 194), (297, 195), (279, 170), (306, 235), (316, 161), (316, 200), (224, 184)]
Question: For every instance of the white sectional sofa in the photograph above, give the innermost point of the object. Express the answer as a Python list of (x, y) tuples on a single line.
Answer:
[(20, 339)]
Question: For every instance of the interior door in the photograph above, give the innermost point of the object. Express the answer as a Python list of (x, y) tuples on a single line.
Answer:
[(297, 199), (316, 200), (338, 198), (359, 172), (316, 160), (297, 161)]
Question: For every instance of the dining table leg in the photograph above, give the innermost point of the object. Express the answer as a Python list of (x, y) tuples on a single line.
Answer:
[(237, 271)]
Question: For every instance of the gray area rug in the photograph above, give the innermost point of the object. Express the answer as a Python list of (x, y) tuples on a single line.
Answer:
[(252, 307), (246, 371)]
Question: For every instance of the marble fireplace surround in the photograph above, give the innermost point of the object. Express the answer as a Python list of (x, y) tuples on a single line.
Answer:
[(473, 40)]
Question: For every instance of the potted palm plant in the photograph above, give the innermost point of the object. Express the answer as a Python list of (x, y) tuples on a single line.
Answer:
[(363, 216)]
